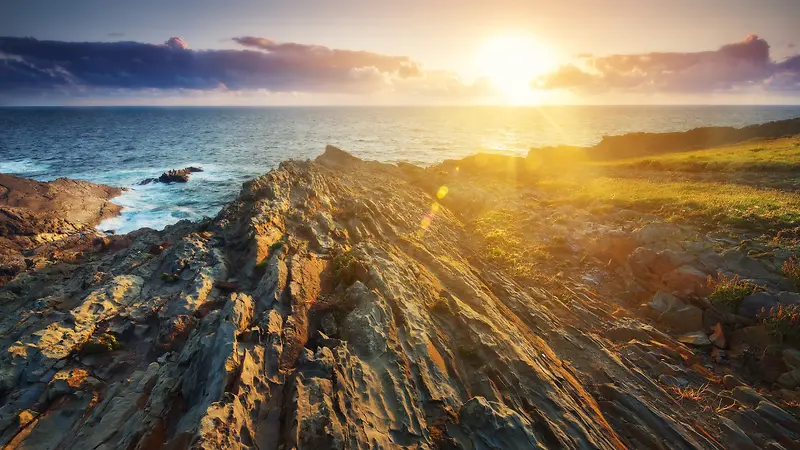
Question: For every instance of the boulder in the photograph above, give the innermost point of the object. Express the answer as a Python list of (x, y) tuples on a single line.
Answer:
[(656, 232), (755, 305), (753, 337), (663, 302), (672, 311), (686, 281), (685, 319), (786, 298), (718, 337)]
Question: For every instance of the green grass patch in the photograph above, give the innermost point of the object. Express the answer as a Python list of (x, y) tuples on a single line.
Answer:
[(730, 291), (791, 270), (277, 245), (344, 268), (780, 155), (710, 203), (784, 323), (506, 245), (100, 344)]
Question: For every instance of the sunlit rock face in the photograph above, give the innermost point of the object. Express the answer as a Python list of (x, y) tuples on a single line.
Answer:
[(347, 304)]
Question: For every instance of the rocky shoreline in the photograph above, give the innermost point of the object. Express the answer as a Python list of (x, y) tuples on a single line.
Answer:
[(343, 303), (48, 220)]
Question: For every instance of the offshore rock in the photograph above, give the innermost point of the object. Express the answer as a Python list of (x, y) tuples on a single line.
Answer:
[(173, 176)]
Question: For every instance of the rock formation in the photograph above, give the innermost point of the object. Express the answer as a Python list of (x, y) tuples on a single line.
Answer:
[(342, 304), (39, 218), (173, 176)]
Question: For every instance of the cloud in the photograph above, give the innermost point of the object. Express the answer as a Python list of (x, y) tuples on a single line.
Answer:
[(732, 67), (176, 42), (320, 56), (116, 35), (35, 67)]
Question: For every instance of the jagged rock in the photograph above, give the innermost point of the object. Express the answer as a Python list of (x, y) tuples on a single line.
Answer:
[(40, 219), (493, 426), (314, 312), (173, 176), (718, 337)]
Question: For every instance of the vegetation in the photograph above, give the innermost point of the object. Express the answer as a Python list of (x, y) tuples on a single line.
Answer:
[(730, 291), (506, 245), (780, 155), (169, 278), (442, 306), (791, 270), (344, 268), (277, 245), (101, 344), (707, 202), (783, 323)]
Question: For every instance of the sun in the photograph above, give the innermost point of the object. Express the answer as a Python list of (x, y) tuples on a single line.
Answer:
[(511, 62)]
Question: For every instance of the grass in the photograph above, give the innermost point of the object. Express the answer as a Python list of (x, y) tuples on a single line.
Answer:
[(780, 155), (344, 268), (710, 203), (689, 393), (783, 323), (791, 270), (505, 244), (730, 291), (100, 344), (276, 245)]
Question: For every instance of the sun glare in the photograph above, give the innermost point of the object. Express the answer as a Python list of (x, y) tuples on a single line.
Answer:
[(511, 62)]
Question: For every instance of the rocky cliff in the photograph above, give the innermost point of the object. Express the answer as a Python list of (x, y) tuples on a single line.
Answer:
[(349, 304), (36, 217)]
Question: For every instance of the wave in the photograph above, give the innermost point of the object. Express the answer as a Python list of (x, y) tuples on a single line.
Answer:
[(24, 167)]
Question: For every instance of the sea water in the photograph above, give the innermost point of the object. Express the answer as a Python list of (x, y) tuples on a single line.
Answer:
[(122, 146)]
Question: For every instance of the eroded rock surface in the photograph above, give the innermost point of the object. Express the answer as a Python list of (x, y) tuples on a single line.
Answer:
[(35, 215), (336, 304)]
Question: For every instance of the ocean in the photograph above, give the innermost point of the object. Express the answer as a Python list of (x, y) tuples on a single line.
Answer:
[(121, 146)]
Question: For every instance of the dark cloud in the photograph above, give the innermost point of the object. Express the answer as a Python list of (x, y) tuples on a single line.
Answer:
[(31, 65), (116, 35), (319, 56), (744, 64)]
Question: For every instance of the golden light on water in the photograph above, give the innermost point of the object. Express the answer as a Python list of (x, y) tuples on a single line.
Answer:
[(511, 62), (442, 192)]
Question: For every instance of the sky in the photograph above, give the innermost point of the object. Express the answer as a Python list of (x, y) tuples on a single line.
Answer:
[(267, 52)]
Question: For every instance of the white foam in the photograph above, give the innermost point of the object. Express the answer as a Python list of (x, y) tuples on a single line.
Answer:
[(23, 167)]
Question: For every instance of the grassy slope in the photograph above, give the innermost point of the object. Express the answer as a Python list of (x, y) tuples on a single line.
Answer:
[(712, 188), (779, 155)]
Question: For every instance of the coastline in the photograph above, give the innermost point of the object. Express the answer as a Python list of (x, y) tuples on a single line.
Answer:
[(478, 300)]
